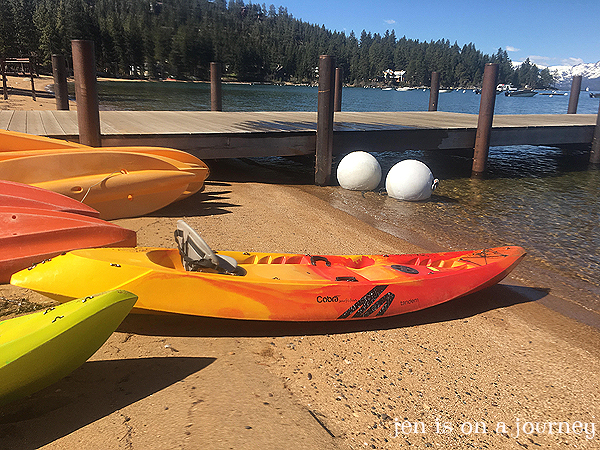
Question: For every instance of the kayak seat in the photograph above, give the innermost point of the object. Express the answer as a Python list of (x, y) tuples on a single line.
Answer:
[(197, 255)]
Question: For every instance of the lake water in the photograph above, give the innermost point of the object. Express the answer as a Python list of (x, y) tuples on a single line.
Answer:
[(542, 198)]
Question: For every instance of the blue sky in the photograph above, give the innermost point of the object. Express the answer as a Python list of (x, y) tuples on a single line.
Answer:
[(548, 32)]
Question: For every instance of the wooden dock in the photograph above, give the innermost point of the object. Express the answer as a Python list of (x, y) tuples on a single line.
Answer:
[(208, 134)]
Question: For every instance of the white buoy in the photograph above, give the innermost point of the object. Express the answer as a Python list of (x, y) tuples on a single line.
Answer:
[(410, 180), (359, 171)]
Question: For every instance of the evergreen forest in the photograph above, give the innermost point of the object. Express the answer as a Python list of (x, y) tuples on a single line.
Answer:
[(179, 38)]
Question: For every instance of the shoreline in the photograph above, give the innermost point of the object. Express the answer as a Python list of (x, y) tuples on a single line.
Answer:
[(187, 382)]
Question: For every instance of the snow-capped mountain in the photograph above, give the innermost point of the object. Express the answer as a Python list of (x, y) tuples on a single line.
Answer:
[(590, 75)]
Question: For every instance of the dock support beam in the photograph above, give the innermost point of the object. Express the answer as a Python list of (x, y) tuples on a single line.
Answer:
[(216, 96), (337, 99), (485, 119), (86, 92), (595, 151), (574, 96), (324, 149), (59, 72), (434, 92)]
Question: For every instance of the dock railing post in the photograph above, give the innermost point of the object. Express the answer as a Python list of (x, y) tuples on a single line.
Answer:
[(59, 72), (434, 92), (574, 96), (324, 148), (4, 87), (337, 99), (31, 76), (595, 150), (86, 92), (485, 119), (216, 96)]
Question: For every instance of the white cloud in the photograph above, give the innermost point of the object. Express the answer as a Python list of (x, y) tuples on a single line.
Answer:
[(572, 61), (537, 60), (390, 21), (510, 48)]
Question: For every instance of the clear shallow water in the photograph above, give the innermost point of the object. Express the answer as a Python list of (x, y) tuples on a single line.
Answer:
[(542, 198)]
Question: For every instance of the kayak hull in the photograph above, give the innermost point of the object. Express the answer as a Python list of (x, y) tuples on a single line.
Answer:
[(117, 184), (26, 196), (29, 236), (282, 287), (39, 349)]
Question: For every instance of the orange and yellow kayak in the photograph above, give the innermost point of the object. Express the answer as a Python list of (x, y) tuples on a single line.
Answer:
[(274, 286)]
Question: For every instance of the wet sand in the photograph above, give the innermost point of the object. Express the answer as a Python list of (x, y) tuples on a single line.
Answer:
[(480, 371)]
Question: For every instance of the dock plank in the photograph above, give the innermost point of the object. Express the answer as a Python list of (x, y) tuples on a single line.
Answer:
[(68, 123), (18, 121), (5, 118), (34, 123), (51, 125)]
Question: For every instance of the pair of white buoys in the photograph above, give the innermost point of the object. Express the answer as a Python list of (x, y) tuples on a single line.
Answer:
[(407, 180)]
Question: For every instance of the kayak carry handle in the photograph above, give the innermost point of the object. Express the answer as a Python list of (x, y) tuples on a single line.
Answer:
[(314, 259)]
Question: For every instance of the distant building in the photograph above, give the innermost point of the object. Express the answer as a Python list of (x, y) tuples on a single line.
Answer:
[(396, 75)]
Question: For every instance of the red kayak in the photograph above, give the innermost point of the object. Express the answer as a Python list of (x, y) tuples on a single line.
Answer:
[(29, 236), (26, 196)]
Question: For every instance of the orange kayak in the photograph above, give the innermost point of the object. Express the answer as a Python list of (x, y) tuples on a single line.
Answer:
[(117, 184), (158, 176), (273, 286), (12, 141), (30, 235), (26, 196)]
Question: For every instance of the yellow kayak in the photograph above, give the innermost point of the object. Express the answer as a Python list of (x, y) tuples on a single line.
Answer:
[(19, 145), (12, 140), (117, 184), (194, 280), (38, 349)]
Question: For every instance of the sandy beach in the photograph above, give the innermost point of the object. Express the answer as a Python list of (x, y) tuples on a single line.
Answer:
[(496, 369), (20, 98)]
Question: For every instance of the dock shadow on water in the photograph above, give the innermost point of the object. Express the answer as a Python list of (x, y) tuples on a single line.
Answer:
[(95, 390), (498, 296)]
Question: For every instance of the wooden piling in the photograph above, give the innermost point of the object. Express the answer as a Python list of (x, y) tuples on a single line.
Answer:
[(86, 92), (434, 92), (337, 99), (485, 119), (595, 150), (216, 96), (574, 96), (4, 86), (59, 72), (324, 148), (31, 76)]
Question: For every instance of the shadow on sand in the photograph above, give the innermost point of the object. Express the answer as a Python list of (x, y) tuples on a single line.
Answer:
[(95, 390), (201, 204), (498, 296)]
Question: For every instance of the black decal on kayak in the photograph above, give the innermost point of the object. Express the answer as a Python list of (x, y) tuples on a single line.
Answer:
[(387, 301), (364, 306)]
